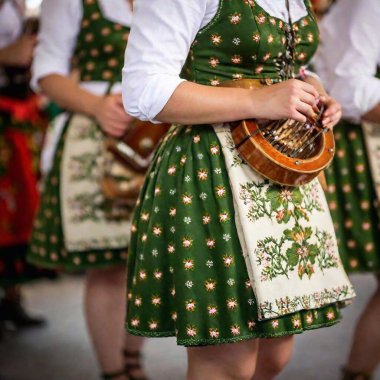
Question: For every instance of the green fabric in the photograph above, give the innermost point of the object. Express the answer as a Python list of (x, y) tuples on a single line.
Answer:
[(352, 200), (100, 48), (187, 275), (47, 248), (244, 41)]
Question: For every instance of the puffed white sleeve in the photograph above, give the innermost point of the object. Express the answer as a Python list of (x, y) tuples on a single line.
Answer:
[(60, 26), (348, 58), (161, 36)]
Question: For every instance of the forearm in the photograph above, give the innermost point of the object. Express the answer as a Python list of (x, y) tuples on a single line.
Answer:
[(192, 103), (4, 56), (373, 115), (69, 95)]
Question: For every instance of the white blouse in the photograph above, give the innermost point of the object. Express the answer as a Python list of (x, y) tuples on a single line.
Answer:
[(158, 47), (60, 27), (348, 57), (11, 20)]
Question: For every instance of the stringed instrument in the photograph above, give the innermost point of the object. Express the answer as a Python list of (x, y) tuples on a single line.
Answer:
[(130, 157), (136, 148), (286, 152)]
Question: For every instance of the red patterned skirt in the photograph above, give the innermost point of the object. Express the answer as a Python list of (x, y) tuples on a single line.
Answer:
[(21, 130)]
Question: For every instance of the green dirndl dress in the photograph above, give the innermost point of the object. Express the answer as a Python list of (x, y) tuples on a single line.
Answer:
[(187, 276), (353, 201), (99, 56)]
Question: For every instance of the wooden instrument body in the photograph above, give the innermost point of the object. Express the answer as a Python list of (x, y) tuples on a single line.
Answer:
[(134, 152), (273, 165), (264, 158), (136, 148)]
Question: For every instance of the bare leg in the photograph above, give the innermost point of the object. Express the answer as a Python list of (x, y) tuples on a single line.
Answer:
[(274, 355), (105, 303), (234, 361), (365, 351)]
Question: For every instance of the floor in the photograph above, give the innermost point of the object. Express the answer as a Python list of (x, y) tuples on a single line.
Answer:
[(62, 351)]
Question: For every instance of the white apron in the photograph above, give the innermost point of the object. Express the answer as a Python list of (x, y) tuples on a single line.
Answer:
[(288, 240)]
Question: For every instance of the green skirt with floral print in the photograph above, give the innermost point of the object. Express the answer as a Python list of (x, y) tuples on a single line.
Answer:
[(47, 248), (352, 201), (187, 275)]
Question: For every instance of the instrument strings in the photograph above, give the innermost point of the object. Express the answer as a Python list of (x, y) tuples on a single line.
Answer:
[(292, 138)]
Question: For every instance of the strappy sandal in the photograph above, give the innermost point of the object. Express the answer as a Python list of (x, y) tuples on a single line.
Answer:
[(114, 375), (130, 368), (352, 375)]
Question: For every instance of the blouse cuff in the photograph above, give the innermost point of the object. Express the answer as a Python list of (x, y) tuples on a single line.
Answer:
[(357, 96), (368, 96), (312, 74), (152, 99)]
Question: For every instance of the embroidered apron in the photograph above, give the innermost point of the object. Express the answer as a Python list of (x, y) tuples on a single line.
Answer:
[(287, 237), (89, 221)]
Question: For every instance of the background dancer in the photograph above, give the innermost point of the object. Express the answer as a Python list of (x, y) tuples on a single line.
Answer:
[(347, 62), (77, 228)]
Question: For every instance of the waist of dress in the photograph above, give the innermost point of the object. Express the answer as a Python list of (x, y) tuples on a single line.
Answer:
[(20, 109)]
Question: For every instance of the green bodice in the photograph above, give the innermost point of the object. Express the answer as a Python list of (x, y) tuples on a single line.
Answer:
[(244, 41), (100, 48)]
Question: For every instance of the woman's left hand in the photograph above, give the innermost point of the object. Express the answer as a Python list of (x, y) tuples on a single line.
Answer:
[(332, 113)]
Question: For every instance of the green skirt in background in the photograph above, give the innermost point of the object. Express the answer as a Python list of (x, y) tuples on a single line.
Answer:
[(48, 244), (353, 202)]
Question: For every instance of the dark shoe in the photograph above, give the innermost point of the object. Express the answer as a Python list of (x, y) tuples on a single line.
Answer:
[(352, 375), (133, 365), (113, 375), (12, 311)]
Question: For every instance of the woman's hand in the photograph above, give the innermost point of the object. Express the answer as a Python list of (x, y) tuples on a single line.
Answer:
[(332, 113), (291, 99), (110, 114), (19, 53)]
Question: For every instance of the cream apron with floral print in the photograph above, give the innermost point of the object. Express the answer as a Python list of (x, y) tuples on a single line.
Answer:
[(288, 240), (88, 219)]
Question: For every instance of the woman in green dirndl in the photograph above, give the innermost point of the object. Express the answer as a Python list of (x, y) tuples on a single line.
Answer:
[(347, 62), (78, 227), (218, 254)]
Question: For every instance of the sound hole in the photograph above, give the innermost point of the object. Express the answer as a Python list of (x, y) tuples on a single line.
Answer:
[(292, 138)]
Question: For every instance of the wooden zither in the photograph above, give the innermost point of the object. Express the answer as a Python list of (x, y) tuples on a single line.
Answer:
[(287, 152)]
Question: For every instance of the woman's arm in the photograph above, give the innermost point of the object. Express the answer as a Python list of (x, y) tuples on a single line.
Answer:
[(155, 55), (51, 68), (373, 115), (19, 53), (107, 110), (198, 104), (67, 94)]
